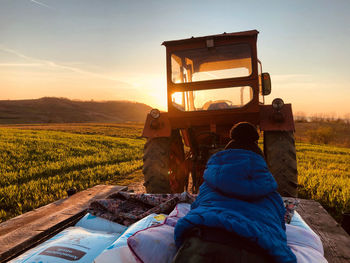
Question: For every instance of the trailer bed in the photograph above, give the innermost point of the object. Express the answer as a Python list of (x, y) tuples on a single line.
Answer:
[(28, 230)]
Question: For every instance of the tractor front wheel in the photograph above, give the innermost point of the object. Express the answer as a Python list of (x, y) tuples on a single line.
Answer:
[(280, 154)]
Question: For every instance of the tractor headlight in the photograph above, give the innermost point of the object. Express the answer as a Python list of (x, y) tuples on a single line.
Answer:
[(155, 113), (277, 104)]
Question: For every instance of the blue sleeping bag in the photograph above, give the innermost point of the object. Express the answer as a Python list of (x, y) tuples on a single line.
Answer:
[(239, 195)]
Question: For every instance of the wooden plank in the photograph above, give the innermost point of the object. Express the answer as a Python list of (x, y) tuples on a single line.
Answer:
[(336, 242), (25, 231)]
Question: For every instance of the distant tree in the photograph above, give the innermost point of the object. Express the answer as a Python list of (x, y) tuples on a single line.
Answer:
[(300, 116), (347, 118)]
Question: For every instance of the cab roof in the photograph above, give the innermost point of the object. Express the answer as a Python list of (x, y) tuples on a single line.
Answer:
[(219, 36)]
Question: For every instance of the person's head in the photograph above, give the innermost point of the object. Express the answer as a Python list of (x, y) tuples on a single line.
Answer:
[(244, 136)]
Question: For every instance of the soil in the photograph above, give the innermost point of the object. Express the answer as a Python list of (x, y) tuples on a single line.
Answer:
[(137, 187)]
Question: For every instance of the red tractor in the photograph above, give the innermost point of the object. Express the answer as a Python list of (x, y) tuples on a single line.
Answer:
[(213, 83)]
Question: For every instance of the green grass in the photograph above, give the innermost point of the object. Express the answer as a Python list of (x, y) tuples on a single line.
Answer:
[(38, 166), (131, 130), (324, 175), (38, 163)]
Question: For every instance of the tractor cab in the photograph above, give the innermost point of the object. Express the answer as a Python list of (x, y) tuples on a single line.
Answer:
[(219, 72), (213, 82)]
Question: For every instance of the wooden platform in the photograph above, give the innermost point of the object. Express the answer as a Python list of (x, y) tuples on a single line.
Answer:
[(336, 242), (26, 231)]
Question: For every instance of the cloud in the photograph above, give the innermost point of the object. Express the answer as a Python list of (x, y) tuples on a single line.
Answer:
[(53, 64), (39, 3), (20, 64), (292, 77), (294, 82)]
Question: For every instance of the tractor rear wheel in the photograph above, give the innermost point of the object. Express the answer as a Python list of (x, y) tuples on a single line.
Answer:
[(162, 164), (280, 154)]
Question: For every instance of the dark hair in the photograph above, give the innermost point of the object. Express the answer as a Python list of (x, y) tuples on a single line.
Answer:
[(244, 136)]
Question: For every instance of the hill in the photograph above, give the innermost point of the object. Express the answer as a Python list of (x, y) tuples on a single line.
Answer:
[(61, 110)]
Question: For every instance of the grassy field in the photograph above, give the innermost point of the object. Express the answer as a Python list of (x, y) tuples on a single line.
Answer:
[(40, 162), (38, 166), (324, 175)]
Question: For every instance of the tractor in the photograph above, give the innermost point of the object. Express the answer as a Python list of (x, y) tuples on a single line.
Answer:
[(214, 82)]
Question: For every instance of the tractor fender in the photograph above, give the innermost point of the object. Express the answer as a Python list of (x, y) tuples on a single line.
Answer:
[(272, 120), (155, 128)]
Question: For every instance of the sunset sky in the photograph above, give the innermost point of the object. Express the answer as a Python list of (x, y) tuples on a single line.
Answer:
[(111, 49)]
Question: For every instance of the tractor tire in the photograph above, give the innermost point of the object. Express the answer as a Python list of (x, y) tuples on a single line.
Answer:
[(155, 165), (280, 155), (161, 160)]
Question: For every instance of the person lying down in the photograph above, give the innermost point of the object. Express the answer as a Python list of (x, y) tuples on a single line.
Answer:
[(238, 215)]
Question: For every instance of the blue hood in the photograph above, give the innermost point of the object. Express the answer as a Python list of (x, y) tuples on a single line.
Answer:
[(239, 173)]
